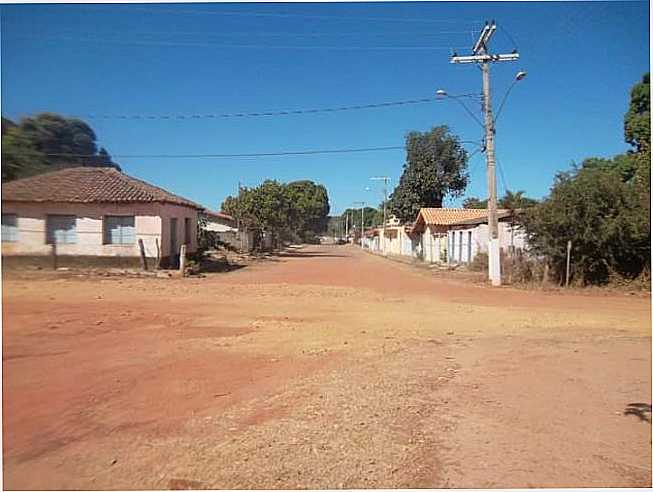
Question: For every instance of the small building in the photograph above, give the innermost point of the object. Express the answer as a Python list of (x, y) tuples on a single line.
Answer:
[(457, 235), (398, 239), (92, 213), (225, 229)]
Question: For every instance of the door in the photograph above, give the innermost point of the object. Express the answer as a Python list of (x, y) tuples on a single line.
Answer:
[(173, 243), (469, 247)]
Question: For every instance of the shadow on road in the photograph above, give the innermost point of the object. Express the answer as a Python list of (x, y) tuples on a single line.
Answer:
[(299, 254), (640, 410)]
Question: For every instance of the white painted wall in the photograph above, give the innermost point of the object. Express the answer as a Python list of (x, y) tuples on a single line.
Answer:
[(150, 221), (508, 236)]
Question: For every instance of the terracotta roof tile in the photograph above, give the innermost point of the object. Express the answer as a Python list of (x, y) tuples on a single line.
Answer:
[(452, 216), (219, 215), (88, 185)]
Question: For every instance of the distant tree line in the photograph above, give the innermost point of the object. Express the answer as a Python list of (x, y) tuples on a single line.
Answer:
[(510, 201), (296, 211), (48, 142)]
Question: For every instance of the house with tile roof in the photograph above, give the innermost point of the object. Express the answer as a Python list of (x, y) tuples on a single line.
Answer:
[(457, 235), (95, 213)]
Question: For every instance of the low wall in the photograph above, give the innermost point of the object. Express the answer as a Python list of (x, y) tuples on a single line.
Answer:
[(72, 261)]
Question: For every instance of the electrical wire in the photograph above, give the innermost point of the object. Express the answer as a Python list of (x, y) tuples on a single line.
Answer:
[(158, 10), (349, 33), (221, 156), (512, 40), (503, 178), (229, 46), (262, 113)]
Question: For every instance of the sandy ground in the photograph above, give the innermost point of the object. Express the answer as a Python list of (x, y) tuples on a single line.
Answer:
[(326, 368)]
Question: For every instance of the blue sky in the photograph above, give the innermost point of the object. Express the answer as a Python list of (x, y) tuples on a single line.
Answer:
[(582, 59)]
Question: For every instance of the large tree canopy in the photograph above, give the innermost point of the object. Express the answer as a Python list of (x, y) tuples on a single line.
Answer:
[(47, 142), (436, 167), (310, 208), (295, 211)]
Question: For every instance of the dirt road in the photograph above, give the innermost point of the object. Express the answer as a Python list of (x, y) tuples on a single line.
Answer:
[(326, 368)]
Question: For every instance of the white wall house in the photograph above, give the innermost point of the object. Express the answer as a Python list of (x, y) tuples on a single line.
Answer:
[(451, 235), (95, 213), (465, 241)]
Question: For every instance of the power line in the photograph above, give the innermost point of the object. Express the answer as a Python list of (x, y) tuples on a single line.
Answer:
[(228, 46), (262, 113), (503, 178), (512, 40), (385, 34), (220, 156), (303, 16)]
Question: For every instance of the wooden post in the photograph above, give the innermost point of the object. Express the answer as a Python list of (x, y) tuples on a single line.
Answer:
[(182, 259), (568, 263), (158, 253), (545, 274), (143, 258), (54, 255)]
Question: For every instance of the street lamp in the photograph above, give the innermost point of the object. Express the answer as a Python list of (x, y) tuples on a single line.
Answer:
[(443, 93), (520, 76)]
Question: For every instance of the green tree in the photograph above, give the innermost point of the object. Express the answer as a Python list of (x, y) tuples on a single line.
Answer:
[(473, 202), (296, 211), (603, 207), (47, 142), (309, 209), (511, 201), (601, 215), (516, 200), (637, 122), (436, 167)]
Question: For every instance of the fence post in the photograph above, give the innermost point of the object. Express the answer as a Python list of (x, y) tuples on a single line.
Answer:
[(54, 254), (143, 258), (182, 259), (568, 263)]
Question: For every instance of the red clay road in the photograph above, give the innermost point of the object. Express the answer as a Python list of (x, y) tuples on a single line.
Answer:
[(323, 368)]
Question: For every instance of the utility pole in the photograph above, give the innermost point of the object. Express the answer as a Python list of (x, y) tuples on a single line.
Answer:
[(481, 56), (347, 226), (362, 204), (240, 232), (385, 180)]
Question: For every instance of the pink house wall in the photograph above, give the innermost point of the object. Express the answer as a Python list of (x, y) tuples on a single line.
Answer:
[(151, 222)]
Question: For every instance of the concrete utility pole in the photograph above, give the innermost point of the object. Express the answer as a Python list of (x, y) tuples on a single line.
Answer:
[(362, 204), (385, 180), (482, 57)]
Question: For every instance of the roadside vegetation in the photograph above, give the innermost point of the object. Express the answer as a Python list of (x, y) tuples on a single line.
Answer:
[(287, 212), (603, 207)]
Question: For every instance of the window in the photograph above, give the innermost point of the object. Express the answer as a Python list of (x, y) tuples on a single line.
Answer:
[(119, 229), (9, 227), (187, 231), (61, 229)]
